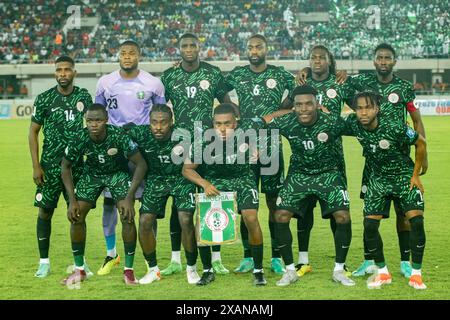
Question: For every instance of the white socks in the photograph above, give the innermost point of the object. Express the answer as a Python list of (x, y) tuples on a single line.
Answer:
[(303, 257), (176, 256), (215, 256)]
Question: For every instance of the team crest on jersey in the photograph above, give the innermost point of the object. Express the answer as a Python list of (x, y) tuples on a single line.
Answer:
[(271, 83), (39, 196), (322, 137), (80, 106), (112, 151), (140, 95), (393, 97), (384, 144), (243, 147), (331, 93), (204, 84), (178, 150)]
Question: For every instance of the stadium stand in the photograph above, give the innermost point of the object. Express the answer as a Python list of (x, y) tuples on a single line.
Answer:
[(34, 31)]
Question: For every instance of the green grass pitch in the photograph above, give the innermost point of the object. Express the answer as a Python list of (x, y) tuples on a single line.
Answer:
[(19, 254)]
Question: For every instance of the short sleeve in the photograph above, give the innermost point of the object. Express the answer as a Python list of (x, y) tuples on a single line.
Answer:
[(230, 82), (128, 146), (221, 87), (38, 115), (158, 92), (408, 136), (86, 99), (100, 93), (165, 82), (74, 149)]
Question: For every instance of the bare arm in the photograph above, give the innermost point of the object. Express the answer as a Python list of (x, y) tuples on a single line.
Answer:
[(33, 141), (419, 127), (190, 173), (225, 99), (66, 176), (268, 118), (73, 211), (126, 206), (302, 75), (286, 104), (421, 149), (139, 173)]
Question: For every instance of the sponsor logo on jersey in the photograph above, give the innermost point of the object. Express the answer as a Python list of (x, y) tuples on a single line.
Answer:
[(322, 137), (393, 97), (271, 83), (331, 93), (204, 84)]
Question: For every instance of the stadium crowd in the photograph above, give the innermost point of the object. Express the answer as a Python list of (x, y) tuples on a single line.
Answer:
[(36, 31)]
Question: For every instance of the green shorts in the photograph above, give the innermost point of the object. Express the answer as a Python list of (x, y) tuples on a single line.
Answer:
[(245, 188), (47, 195), (158, 189), (270, 184), (329, 188), (89, 188), (381, 190)]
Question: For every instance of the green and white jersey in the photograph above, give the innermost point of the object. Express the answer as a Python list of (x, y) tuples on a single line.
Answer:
[(233, 162), (104, 158), (158, 154), (385, 147), (313, 147), (259, 94), (192, 94), (397, 96), (332, 95), (61, 118)]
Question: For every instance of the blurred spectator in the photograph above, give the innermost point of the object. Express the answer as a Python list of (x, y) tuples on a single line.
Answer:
[(416, 29), (23, 91), (9, 91)]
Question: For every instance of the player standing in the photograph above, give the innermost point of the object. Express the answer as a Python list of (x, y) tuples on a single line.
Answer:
[(260, 88), (59, 112), (397, 102), (128, 95), (192, 87), (315, 174), (393, 175)]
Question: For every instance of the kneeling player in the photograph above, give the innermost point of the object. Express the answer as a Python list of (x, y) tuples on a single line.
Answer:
[(106, 149), (224, 173), (394, 177), (315, 173), (163, 180)]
